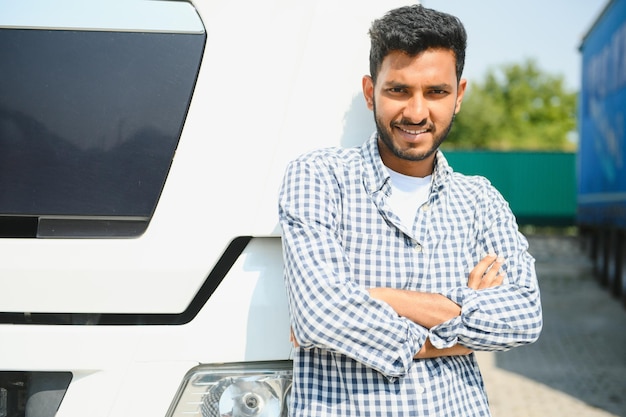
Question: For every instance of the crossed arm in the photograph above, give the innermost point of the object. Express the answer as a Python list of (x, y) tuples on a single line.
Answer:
[(429, 310)]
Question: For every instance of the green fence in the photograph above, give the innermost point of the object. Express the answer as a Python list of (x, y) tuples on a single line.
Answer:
[(539, 186)]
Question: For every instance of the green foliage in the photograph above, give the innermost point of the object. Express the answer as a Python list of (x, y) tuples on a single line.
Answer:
[(517, 107)]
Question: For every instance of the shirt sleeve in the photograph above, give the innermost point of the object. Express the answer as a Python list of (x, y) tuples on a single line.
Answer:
[(505, 316), (329, 310)]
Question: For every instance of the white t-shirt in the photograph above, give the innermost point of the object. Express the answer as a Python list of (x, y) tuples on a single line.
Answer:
[(407, 195)]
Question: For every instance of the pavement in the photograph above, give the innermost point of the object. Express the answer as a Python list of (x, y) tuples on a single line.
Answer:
[(578, 365)]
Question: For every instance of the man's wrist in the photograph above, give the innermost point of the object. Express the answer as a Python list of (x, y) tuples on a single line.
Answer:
[(429, 351)]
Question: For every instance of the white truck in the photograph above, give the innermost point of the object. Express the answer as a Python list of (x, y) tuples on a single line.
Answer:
[(142, 144)]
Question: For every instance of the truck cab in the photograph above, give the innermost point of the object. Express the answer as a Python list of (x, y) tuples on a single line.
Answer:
[(142, 147)]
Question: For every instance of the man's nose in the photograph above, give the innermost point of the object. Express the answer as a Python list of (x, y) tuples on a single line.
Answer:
[(416, 109)]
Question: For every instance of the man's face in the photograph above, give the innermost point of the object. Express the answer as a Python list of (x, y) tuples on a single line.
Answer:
[(414, 102)]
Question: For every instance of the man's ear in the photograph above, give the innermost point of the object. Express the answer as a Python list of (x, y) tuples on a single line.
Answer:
[(460, 94), (368, 91)]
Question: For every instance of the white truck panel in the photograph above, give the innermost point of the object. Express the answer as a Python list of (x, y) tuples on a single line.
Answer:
[(277, 78)]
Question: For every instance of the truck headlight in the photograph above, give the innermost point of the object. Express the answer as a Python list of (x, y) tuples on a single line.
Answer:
[(259, 389)]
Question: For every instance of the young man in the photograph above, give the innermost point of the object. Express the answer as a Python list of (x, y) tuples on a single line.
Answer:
[(398, 268)]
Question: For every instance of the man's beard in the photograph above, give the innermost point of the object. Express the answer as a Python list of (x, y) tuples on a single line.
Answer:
[(385, 136)]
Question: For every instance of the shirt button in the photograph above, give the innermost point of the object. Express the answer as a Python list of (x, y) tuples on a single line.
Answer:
[(418, 248), (425, 207), (419, 389)]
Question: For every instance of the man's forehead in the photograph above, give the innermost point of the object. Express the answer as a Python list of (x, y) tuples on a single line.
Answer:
[(435, 64)]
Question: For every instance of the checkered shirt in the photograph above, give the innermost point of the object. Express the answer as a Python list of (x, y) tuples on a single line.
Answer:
[(340, 237)]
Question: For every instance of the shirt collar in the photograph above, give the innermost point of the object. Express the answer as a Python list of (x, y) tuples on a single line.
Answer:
[(376, 177), (442, 171)]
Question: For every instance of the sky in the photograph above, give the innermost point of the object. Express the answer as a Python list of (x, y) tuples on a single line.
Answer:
[(507, 32)]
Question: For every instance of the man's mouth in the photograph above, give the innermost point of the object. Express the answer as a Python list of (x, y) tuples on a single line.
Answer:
[(414, 132)]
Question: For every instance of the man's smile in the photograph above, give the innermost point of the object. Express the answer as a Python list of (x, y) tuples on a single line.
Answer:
[(412, 132)]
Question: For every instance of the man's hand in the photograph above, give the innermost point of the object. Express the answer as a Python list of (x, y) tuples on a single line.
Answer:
[(486, 273), (292, 338)]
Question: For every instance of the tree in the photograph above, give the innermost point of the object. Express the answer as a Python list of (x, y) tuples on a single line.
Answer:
[(517, 107)]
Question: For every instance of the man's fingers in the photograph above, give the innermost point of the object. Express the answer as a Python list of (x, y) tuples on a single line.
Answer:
[(491, 277), (476, 276), (292, 338), (490, 281), (486, 273)]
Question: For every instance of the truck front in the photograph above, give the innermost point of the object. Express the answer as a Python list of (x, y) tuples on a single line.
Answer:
[(142, 147)]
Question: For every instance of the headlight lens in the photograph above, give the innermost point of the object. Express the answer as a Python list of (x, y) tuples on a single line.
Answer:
[(235, 390)]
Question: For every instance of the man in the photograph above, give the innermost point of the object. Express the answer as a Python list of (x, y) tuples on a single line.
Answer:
[(396, 267)]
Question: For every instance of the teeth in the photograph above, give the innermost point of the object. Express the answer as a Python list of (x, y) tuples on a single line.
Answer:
[(413, 132)]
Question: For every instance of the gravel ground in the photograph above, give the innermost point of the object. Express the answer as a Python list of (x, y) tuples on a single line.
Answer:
[(578, 365)]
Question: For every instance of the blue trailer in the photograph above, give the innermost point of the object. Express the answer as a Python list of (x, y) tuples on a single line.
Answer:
[(601, 163)]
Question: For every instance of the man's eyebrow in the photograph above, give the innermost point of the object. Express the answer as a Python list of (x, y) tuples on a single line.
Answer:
[(395, 84), (443, 86), (398, 84)]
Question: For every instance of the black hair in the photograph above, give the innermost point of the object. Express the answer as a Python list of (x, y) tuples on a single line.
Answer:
[(415, 29)]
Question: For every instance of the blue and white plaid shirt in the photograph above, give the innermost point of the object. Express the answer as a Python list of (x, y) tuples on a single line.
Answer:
[(340, 238)]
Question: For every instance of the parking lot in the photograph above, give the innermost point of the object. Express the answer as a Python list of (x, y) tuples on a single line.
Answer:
[(578, 366)]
